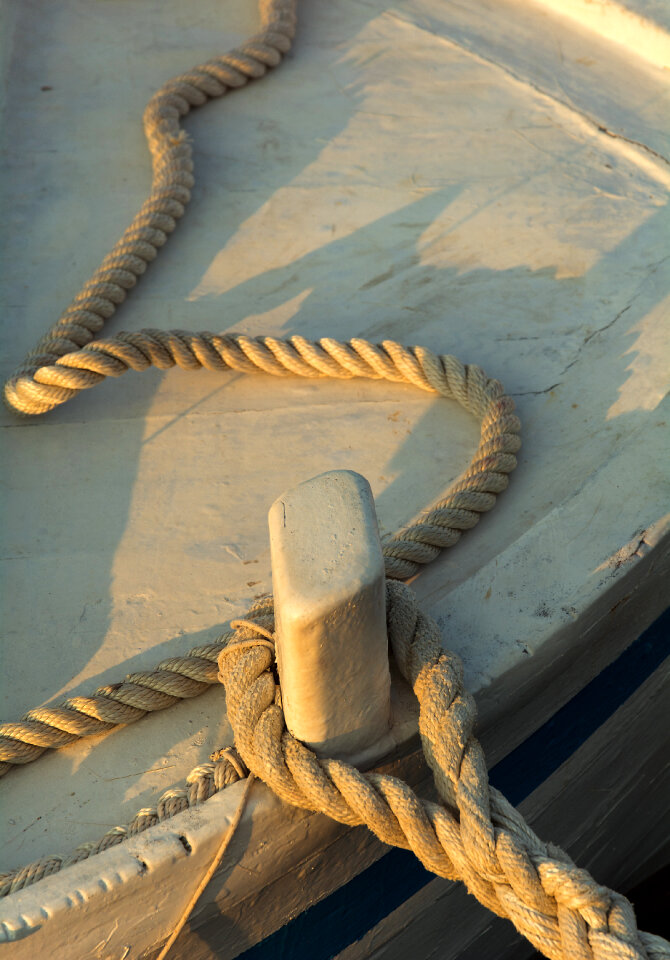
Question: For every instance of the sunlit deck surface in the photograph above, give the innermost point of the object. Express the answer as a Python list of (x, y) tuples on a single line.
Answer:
[(488, 180)]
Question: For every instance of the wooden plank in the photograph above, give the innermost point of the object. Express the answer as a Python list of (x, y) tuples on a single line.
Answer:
[(486, 180), (113, 584), (592, 806)]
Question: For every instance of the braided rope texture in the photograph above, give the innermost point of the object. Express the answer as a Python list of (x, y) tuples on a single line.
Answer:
[(35, 387), (52, 727), (202, 783), (474, 836), (436, 528), (67, 360)]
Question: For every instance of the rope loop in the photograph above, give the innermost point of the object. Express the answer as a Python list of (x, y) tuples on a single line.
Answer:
[(439, 526), (474, 835)]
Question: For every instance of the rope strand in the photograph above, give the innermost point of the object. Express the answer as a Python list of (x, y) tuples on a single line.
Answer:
[(474, 835), (203, 782), (43, 381), (419, 542)]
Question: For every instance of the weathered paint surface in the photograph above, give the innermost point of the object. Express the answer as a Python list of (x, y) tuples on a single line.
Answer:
[(489, 180), (330, 617)]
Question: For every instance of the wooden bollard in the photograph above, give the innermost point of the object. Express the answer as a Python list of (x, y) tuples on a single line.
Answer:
[(330, 619)]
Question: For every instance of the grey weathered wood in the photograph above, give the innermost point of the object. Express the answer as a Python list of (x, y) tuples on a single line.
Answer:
[(520, 231)]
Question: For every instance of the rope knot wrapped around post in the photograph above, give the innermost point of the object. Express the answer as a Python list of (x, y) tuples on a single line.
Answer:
[(474, 835)]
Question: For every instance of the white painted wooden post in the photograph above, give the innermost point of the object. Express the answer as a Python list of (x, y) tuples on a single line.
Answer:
[(332, 648)]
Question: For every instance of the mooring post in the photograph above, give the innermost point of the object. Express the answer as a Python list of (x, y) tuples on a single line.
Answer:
[(330, 617)]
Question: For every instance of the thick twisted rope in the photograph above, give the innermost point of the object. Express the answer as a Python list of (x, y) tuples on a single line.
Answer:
[(67, 360), (202, 783), (174, 679), (417, 543), (34, 388), (475, 836), (438, 527)]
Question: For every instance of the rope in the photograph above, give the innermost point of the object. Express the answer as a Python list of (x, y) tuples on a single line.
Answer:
[(474, 836), (202, 783), (67, 360), (172, 680), (437, 527), (35, 386)]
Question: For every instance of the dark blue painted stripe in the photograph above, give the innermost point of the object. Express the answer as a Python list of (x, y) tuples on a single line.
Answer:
[(524, 769), (322, 931)]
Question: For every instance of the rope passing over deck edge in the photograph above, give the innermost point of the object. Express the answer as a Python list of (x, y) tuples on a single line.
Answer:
[(474, 836)]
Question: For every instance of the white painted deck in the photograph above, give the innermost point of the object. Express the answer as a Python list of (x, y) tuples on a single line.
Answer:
[(488, 180)]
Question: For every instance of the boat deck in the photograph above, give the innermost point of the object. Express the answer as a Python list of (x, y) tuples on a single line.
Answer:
[(488, 180)]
